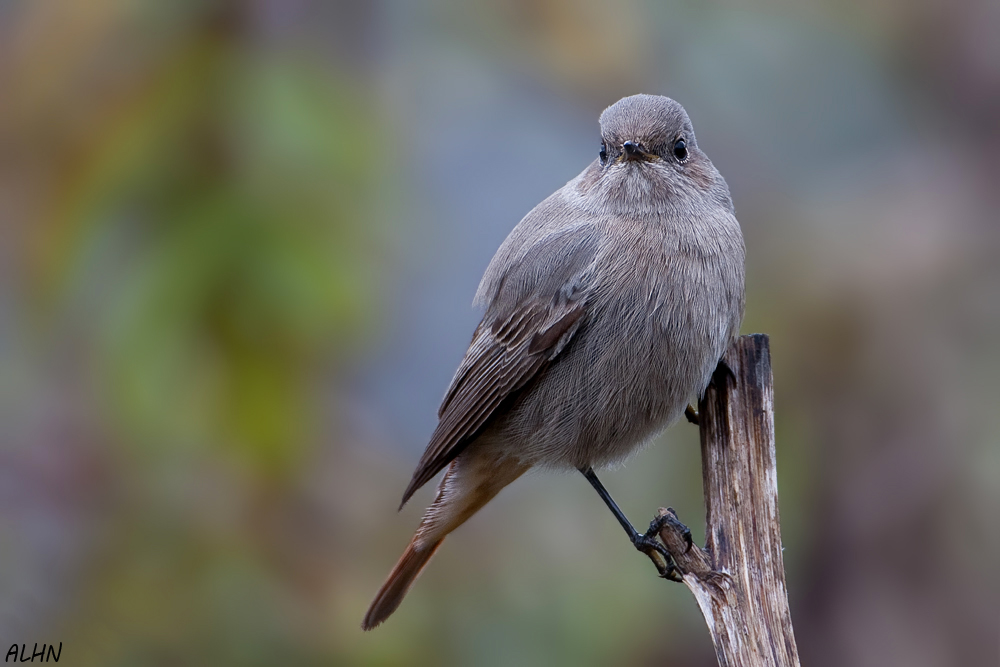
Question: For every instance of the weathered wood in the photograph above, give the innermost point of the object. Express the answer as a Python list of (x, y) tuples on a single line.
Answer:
[(738, 580)]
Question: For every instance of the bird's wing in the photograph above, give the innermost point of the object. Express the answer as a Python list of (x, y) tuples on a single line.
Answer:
[(538, 305)]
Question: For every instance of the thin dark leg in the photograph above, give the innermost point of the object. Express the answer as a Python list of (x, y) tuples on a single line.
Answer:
[(646, 543), (610, 502)]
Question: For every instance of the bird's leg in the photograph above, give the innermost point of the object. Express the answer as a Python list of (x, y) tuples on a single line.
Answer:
[(721, 371), (646, 542), (719, 376)]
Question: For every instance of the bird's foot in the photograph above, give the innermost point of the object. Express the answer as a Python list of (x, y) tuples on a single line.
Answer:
[(692, 415), (657, 524), (649, 544)]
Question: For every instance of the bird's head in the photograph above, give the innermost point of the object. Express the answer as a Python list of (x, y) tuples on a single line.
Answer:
[(648, 150)]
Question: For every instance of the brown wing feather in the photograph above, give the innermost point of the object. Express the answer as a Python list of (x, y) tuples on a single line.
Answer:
[(501, 360)]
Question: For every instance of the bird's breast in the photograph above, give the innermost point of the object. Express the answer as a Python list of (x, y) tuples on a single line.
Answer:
[(657, 335)]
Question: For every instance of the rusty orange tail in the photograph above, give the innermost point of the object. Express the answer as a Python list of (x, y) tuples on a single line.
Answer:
[(409, 566), (470, 483)]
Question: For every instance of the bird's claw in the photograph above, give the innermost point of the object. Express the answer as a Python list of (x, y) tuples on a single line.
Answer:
[(692, 415), (656, 525), (651, 546)]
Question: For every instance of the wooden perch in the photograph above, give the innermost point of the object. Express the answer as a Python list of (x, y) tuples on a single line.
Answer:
[(738, 580)]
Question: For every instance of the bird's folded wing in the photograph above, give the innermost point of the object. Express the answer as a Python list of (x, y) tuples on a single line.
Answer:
[(498, 364), (526, 327)]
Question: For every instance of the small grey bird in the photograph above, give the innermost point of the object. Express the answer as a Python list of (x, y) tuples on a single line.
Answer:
[(608, 308)]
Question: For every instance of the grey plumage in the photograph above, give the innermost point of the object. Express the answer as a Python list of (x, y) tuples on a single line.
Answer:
[(607, 309)]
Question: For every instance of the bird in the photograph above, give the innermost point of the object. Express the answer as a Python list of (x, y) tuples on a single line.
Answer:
[(607, 310)]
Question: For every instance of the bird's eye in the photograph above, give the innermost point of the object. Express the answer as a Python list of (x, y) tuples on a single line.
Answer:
[(603, 154), (680, 150)]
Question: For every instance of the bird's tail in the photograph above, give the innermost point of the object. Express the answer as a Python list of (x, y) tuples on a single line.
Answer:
[(470, 482), (407, 569)]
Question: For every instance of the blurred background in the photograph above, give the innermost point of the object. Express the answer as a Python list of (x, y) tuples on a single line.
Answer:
[(238, 247)]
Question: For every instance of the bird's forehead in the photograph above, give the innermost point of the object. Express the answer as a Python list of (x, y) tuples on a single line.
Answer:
[(644, 116)]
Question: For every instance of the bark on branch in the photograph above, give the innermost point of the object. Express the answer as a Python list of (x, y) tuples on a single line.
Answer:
[(738, 580)]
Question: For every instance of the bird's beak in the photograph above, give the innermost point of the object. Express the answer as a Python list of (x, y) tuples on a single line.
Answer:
[(634, 151)]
